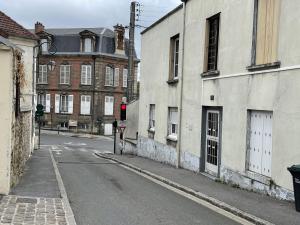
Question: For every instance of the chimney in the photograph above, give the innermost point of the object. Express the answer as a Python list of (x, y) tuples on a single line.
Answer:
[(39, 27), (120, 39)]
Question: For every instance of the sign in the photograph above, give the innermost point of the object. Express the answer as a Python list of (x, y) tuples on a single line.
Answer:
[(73, 123)]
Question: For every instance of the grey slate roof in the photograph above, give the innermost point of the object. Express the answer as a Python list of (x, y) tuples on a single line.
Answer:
[(67, 40)]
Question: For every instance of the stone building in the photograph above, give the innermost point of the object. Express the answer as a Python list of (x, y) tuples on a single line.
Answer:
[(16, 100), (219, 91), (89, 82)]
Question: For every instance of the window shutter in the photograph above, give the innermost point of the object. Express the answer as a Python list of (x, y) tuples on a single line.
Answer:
[(70, 104), (82, 102), (48, 104), (57, 101), (125, 74), (107, 74), (116, 80), (89, 75), (62, 74), (68, 74)]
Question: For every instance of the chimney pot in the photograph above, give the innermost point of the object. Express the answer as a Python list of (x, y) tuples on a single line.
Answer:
[(39, 27)]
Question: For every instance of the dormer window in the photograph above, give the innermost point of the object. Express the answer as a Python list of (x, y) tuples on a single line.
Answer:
[(44, 45), (87, 45)]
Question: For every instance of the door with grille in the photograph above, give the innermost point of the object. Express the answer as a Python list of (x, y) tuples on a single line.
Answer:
[(260, 143), (212, 142)]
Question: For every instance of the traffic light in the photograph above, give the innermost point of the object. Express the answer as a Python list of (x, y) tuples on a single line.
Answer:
[(123, 112), (39, 111)]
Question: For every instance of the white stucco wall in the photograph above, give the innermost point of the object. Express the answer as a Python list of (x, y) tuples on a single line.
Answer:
[(6, 104)]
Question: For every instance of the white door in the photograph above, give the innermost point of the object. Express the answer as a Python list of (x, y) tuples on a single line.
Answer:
[(260, 151), (108, 129), (212, 142)]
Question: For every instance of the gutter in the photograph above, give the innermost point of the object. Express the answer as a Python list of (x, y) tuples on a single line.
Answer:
[(181, 91)]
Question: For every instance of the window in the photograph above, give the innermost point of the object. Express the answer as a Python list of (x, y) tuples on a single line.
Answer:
[(174, 58), (42, 100), (117, 77), (260, 142), (42, 79), (212, 41), (109, 76), (85, 105), (87, 45), (125, 74), (65, 74), (63, 103), (86, 74), (109, 106), (44, 45), (265, 31), (152, 117), (173, 123)]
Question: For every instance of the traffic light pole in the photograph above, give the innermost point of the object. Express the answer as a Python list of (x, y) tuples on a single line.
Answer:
[(39, 132)]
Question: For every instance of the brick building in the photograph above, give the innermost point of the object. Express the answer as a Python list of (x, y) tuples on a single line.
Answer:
[(89, 81)]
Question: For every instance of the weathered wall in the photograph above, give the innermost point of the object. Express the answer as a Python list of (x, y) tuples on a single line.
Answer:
[(6, 104), (132, 121)]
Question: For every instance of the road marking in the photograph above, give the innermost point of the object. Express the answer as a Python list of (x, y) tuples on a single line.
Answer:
[(67, 148), (82, 150), (76, 144), (191, 197)]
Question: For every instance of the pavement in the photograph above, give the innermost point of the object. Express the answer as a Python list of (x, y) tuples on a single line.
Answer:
[(37, 199), (257, 208)]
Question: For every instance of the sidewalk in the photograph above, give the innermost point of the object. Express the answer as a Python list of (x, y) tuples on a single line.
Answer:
[(261, 206), (36, 200), (71, 134)]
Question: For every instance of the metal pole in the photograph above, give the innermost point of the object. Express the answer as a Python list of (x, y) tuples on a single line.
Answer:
[(39, 132), (115, 139)]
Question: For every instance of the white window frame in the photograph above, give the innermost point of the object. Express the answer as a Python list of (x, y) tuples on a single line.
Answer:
[(152, 117), (172, 125), (65, 73), (64, 107), (85, 105), (42, 100), (88, 45), (86, 74), (44, 46), (109, 76), (42, 79), (108, 99), (175, 58), (125, 77), (116, 77)]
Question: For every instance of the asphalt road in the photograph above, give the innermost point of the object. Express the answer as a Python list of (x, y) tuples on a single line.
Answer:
[(103, 193)]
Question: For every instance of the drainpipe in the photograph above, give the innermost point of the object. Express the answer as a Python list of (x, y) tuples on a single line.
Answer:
[(181, 91), (93, 97)]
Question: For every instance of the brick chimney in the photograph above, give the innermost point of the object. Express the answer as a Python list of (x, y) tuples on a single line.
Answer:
[(39, 27), (119, 39)]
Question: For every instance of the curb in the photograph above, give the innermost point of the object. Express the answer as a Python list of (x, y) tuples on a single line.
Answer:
[(213, 201), (69, 213)]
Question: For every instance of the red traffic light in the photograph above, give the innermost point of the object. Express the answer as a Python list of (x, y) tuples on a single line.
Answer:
[(123, 112), (123, 106)]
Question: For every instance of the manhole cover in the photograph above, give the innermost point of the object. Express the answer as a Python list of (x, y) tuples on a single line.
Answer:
[(27, 200)]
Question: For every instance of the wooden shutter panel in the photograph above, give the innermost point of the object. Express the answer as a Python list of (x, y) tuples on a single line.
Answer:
[(125, 74), (82, 102), (88, 104), (70, 104), (57, 103), (117, 77)]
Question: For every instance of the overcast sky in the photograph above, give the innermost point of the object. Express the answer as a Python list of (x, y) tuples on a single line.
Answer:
[(84, 13)]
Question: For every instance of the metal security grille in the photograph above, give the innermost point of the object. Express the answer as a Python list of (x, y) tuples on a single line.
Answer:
[(212, 141), (260, 151), (213, 43)]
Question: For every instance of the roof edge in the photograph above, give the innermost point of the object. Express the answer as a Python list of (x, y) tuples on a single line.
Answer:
[(163, 18)]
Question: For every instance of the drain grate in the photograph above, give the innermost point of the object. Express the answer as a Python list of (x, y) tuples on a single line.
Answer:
[(27, 200)]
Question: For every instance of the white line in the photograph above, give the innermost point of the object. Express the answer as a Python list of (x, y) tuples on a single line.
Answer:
[(69, 213)]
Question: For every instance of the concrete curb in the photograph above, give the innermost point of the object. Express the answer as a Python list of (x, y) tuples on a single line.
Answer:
[(69, 212), (213, 201)]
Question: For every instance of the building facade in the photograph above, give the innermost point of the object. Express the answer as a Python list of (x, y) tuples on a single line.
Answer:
[(222, 96), (16, 101), (89, 82)]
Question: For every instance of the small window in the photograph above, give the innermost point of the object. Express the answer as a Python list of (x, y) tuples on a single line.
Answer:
[(64, 103), (212, 41), (125, 74), (152, 117), (65, 74), (87, 45), (44, 45), (173, 122), (86, 74), (42, 79), (174, 60), (109, 76)]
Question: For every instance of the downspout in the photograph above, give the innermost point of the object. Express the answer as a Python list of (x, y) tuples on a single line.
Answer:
[(181, 91)]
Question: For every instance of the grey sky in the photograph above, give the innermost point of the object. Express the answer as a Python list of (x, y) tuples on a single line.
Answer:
[(84, 13)]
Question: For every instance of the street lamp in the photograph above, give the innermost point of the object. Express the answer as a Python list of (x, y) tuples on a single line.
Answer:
[(51, 65)]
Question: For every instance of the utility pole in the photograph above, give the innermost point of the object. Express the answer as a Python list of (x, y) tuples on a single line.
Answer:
[(130, 77)]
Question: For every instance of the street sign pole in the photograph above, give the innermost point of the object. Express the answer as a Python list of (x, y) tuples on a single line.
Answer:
[(115, 125), (39, 132)]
